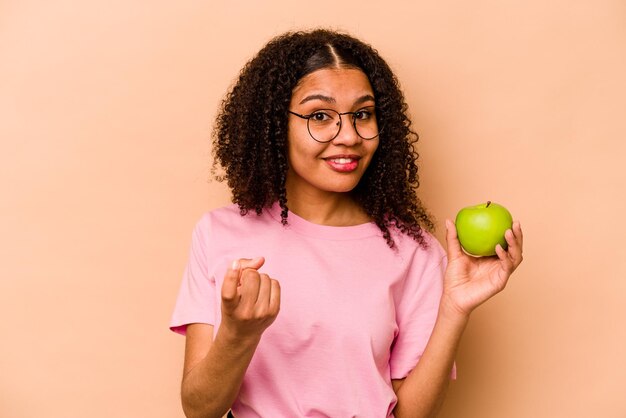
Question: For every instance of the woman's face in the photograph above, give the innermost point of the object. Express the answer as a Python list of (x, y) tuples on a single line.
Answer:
[(338, 165)]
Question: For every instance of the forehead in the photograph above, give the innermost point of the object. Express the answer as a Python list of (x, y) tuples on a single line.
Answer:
[(333, 82)]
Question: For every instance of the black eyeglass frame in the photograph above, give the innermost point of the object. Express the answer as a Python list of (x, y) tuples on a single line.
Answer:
[(310, 115)]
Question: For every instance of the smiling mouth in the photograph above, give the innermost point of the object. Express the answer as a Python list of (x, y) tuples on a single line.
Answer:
[(342, 160), (343, 164)]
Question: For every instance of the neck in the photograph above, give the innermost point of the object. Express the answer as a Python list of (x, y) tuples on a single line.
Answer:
[(332, 209)]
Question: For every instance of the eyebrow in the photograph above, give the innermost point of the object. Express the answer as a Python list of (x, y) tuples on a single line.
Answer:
[(318, 97), (327, 99)]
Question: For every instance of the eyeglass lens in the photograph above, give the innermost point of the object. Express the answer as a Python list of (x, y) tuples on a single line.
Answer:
[(324, 125)]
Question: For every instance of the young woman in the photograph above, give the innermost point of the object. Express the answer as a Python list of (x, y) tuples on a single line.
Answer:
[(320, 292)]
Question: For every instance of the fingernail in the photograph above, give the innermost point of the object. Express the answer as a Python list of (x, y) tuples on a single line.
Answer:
[(235, 265)]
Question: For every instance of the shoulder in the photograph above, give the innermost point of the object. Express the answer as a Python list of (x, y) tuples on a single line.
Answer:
[(227, 212), (230, 218), (429, 255)]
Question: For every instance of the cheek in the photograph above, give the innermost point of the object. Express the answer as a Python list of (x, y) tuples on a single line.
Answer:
[(303, 151), (375, 147), (372, 152)]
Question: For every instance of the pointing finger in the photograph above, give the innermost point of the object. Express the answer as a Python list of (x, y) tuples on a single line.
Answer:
[(250, 283)]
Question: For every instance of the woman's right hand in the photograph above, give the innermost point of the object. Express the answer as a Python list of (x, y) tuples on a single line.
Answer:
[(215, 366), (250, 300)]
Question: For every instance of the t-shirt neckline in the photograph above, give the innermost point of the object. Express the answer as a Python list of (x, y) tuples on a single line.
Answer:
[(302, 226)]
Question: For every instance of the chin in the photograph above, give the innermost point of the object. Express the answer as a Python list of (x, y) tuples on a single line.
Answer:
[(343, 187)]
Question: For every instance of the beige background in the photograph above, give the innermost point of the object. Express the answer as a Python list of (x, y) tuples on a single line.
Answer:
[(105, 113)]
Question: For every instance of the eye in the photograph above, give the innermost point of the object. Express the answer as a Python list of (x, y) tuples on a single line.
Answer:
[(320, 116), (364, 114)]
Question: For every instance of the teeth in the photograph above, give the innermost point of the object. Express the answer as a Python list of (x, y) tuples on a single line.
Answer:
[(342, 160)]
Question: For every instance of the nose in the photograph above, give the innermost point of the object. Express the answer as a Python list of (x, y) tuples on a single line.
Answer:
[(347, 132)]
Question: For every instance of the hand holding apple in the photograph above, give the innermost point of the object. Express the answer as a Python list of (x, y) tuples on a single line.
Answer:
[(480, 228), (471, 280)]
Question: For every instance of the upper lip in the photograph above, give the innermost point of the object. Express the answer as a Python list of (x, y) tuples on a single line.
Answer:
[(347, 156)]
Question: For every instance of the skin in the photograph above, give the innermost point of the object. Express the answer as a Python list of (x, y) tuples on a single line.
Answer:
[(468, 283), (315, 191), (214, 367)]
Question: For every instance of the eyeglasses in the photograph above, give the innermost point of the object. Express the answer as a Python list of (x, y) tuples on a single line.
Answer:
[(324, 125)]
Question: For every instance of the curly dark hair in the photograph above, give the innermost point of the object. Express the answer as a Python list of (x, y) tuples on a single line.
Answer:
[(250, 135)]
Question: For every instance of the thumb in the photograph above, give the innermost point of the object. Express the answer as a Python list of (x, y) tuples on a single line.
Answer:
[(231, 282), (454, 246), (251, 263)]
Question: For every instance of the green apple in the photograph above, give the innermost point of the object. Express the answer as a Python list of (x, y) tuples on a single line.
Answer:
[(481, 227)]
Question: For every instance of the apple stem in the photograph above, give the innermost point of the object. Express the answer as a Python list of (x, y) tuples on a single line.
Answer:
[(488, 203)]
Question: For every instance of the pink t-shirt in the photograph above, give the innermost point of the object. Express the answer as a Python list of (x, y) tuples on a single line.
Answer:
[(354, 313)]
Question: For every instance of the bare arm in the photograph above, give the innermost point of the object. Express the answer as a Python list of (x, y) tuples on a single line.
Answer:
[(468, 283), (214, 369), (423, 391)]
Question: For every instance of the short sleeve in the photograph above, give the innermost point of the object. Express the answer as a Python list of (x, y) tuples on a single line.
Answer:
[(197, 295), (416, 313)]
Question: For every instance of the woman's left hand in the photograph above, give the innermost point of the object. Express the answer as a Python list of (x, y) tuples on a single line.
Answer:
[(470, 281)]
